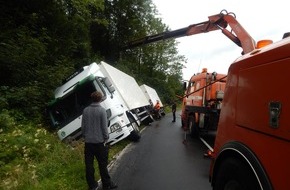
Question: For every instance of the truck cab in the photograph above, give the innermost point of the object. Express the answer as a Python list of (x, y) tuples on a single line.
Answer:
[(65, 111), (202, 102)]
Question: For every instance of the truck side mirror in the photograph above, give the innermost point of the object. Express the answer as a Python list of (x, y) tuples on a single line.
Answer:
[(109, 85), (287, 34)]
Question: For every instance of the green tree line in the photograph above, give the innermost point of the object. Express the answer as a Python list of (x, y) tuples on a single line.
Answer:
[(44, 41)]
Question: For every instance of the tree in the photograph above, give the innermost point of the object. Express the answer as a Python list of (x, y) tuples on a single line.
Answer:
[(41, 43)]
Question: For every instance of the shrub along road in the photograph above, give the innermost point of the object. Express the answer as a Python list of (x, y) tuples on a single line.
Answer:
[(161, 161)]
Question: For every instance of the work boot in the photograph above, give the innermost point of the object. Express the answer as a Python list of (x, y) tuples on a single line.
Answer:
[(95, 188), (111, 186)]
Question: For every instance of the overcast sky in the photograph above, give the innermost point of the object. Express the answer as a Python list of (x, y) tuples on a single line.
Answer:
[(265, 19)]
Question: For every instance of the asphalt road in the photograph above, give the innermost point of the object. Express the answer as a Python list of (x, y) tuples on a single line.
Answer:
[(162, 161)]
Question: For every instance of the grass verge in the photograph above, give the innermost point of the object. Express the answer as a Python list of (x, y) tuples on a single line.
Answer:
[(33, 158)]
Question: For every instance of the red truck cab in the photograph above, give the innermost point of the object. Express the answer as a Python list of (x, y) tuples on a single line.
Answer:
[(252, 146)]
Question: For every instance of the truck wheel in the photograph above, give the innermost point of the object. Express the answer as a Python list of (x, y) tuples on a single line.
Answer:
[(192, 127), (135, 134), (234, 174)]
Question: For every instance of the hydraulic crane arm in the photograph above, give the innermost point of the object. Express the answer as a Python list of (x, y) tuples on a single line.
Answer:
[(216, 22)]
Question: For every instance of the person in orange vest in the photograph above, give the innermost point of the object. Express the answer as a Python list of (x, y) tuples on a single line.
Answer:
[(157, 109)]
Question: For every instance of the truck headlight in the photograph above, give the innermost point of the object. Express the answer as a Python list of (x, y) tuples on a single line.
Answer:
[(115, 127), (63, 134)]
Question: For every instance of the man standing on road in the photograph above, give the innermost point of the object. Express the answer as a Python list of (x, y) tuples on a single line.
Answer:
[(95, 133), (173, 109)]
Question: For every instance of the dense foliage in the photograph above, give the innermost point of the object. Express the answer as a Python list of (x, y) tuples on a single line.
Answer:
[(44, 41)]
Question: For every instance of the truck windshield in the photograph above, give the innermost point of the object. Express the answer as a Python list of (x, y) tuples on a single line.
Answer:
[(65, 109)]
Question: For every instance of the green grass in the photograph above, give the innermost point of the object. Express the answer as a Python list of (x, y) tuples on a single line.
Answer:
[(33, 158)]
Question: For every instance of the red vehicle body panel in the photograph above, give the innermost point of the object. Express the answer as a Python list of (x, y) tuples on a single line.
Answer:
[(255, 80)]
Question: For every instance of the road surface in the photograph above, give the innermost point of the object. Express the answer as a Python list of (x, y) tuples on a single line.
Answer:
[(162, 161)]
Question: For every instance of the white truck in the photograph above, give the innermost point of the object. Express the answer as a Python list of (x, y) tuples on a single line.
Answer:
[(120, 100), (152, 97)]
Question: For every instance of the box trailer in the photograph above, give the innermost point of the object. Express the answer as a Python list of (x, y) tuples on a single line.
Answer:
[(152, 97), (131, 94)]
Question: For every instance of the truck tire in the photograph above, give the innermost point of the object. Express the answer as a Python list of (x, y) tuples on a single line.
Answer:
[(193, 127), (233, 174), (135, 135)]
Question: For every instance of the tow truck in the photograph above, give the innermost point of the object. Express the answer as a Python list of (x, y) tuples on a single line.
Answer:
[(252, 144), (202, 101)]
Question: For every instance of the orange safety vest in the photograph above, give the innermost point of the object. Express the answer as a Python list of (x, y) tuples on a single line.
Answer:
[(157, 106)]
